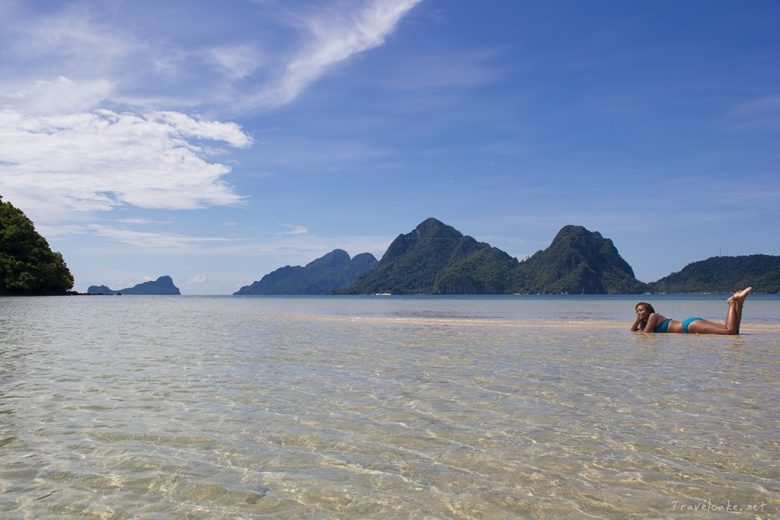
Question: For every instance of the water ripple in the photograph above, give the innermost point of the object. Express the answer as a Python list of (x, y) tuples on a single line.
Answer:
[(393, 408)]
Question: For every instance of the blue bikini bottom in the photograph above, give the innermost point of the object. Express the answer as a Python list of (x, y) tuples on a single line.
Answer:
[(687, 322)]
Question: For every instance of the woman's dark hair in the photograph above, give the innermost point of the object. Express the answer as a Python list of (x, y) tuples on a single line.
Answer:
[(649, 307)]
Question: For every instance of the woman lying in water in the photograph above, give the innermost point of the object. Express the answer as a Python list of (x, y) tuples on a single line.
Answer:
[(647, 320)]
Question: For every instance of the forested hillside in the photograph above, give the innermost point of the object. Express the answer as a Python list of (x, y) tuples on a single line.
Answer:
[(724, 274), (28, 266)]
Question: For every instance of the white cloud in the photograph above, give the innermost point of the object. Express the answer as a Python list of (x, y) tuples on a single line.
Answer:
[(197, 279), (237, 61), (295, 230), (93, 161), (141, 221), (335, 37), (60, 230), (61, 95)]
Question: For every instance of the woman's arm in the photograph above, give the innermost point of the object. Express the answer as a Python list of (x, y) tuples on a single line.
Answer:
[(653, 321), (637, 325)]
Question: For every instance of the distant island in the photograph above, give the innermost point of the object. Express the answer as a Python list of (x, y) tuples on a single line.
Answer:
[(724, 274), (435, 258), (28, 266), (328, 273), (162, 286)]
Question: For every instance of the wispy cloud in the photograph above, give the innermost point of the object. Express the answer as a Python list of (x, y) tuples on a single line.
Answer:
[(67, 37), (89, 43), (197, 279), (301, 249), (153, 240), (141, 221), (237, 61), (334, 36), (295, 230), (284, 248)]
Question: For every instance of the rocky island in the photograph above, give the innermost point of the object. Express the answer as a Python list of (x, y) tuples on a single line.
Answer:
[(330, 272), (162, 286)]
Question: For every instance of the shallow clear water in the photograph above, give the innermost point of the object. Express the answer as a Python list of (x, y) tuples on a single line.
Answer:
[(384, 407)]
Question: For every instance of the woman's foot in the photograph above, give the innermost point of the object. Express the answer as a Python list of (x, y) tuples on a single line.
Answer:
[(740, 296)]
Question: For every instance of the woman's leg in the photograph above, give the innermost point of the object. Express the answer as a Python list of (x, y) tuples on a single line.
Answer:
[(739, 300), (733, 317), (710, 327)]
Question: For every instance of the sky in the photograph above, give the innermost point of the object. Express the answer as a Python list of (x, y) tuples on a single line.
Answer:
[(216, 141)]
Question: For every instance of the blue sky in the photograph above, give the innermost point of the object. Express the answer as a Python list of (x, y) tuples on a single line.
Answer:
[(217, 141)]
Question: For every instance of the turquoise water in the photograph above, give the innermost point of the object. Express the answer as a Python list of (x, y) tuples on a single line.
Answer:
[(384, 407)]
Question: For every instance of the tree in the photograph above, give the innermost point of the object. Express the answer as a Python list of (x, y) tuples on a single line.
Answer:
[(28, 266)]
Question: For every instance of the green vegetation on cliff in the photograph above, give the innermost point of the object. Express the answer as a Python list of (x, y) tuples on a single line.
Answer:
[(724, 274), (327, 273), (578, 261), (486, 271), (28, 266), (437, 259)]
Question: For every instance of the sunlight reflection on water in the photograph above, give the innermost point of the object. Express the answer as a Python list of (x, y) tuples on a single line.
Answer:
[(154, 407)]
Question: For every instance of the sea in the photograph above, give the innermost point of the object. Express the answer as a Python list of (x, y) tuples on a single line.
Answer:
[(419, 407)]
